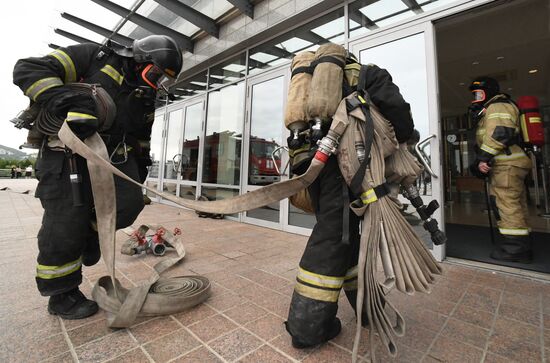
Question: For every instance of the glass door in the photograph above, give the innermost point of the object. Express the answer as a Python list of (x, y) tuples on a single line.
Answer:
[(409, 56), (264, 154), (188, 169), (172, 153), (154, 171)]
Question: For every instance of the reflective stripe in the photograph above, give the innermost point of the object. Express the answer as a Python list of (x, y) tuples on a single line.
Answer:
[(320, 280), (41, 85), (480, 132), (512, 156), (352, 272), (350, 285), (488, 149), (514, 231), (52, 272), (317, 294), (113, 73), (500, 115), (67, 63), (369, 196), (71, 116)]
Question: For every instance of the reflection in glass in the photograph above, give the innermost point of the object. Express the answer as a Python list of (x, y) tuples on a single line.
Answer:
[(190, 87), (191, 138), (169, 188), (153, 185), (368, 15), (228, 71), (188, 192), (328, 28), (156, 146), (266, 119), (219, 193), (172, 158), (297, 217), (410, 75), (224, 127)]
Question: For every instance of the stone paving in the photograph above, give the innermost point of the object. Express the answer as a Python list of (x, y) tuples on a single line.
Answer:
[(472, 315)]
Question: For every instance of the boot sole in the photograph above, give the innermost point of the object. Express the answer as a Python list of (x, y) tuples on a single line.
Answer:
[(72, 316)]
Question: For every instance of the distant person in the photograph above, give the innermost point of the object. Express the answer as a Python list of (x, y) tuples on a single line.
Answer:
[(28, 172), (18, 172), (500, 158), (13, 172)]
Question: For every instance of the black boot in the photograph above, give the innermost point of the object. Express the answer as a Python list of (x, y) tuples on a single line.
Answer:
[(513, 249), (72, 305), (331, 333)]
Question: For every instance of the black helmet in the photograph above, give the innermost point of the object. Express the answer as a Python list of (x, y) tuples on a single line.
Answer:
[(483, 89), (161, 50)]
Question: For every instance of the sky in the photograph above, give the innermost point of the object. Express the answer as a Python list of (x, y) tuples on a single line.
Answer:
[(27, 26)]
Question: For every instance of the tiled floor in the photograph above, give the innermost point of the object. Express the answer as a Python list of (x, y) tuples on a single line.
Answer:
[(471, 315)]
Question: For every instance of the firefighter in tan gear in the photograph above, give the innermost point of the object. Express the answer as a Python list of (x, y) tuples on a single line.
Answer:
[(501, 158)]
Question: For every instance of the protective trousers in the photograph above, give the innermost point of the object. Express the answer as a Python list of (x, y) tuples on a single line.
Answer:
[(508, 189), (329, 262), (66, 229)]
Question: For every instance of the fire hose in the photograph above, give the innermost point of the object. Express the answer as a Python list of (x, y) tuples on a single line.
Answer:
[(406, 262)]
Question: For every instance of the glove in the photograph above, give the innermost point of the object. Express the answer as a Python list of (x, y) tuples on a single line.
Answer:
[(474, 170)]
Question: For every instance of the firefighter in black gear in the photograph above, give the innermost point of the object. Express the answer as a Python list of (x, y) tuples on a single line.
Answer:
[(131, 76), (329, 262)]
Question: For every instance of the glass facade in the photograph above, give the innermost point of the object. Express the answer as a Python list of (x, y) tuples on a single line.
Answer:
[(191, 142), (223, 140)]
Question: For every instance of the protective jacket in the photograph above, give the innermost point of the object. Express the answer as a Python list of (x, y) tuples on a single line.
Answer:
[(497, 134), (67, 238)]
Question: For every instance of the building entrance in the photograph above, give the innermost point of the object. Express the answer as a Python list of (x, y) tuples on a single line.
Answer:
[(510, 42)]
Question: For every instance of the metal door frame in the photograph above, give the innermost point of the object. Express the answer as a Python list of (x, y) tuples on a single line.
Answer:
[(427, 29), (245, 187)]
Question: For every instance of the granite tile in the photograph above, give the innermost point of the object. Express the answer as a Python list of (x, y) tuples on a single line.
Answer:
[(267, 327), (265, 354), (86, 333), (225, 301), (235, 344), (520, 314), (474, 316), (133, 356), (506, 329), (450, 350), (33, 349), (107, 347), (200, 355), (171, 346), (195, 314), (243, 314), (465, 332), (154, 328), (212, 327), (480, 302), (284, 344), (514, 349)]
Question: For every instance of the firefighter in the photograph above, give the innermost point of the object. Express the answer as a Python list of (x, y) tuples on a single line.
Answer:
[(500, 157), (329, 262), (67, 238)]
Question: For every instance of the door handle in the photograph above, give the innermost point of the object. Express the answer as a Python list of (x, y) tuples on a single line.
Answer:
[(174, 167), (275, 161), (419, 149)]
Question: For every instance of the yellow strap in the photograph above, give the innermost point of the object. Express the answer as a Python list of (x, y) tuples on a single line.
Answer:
[(488, 149), (320, 280), (42, 85), (53, 272), (67, 63), (369, 197), (113, 73), (71, 116), (512, 156), (317, 294)]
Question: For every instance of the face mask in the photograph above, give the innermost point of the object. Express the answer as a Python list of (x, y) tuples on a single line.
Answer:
[(153, 76), (479, 96)]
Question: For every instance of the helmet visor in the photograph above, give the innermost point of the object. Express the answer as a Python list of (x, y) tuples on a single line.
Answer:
[(478, 95), (153, 76)]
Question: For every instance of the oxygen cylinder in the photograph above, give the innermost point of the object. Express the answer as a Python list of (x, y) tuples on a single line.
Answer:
[(326, 83), (532, 130), (296, 118)]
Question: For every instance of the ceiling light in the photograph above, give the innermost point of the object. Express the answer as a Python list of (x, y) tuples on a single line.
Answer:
[(510, 88), (500, 57), (461, 84), (475, 63), (533, 71)]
